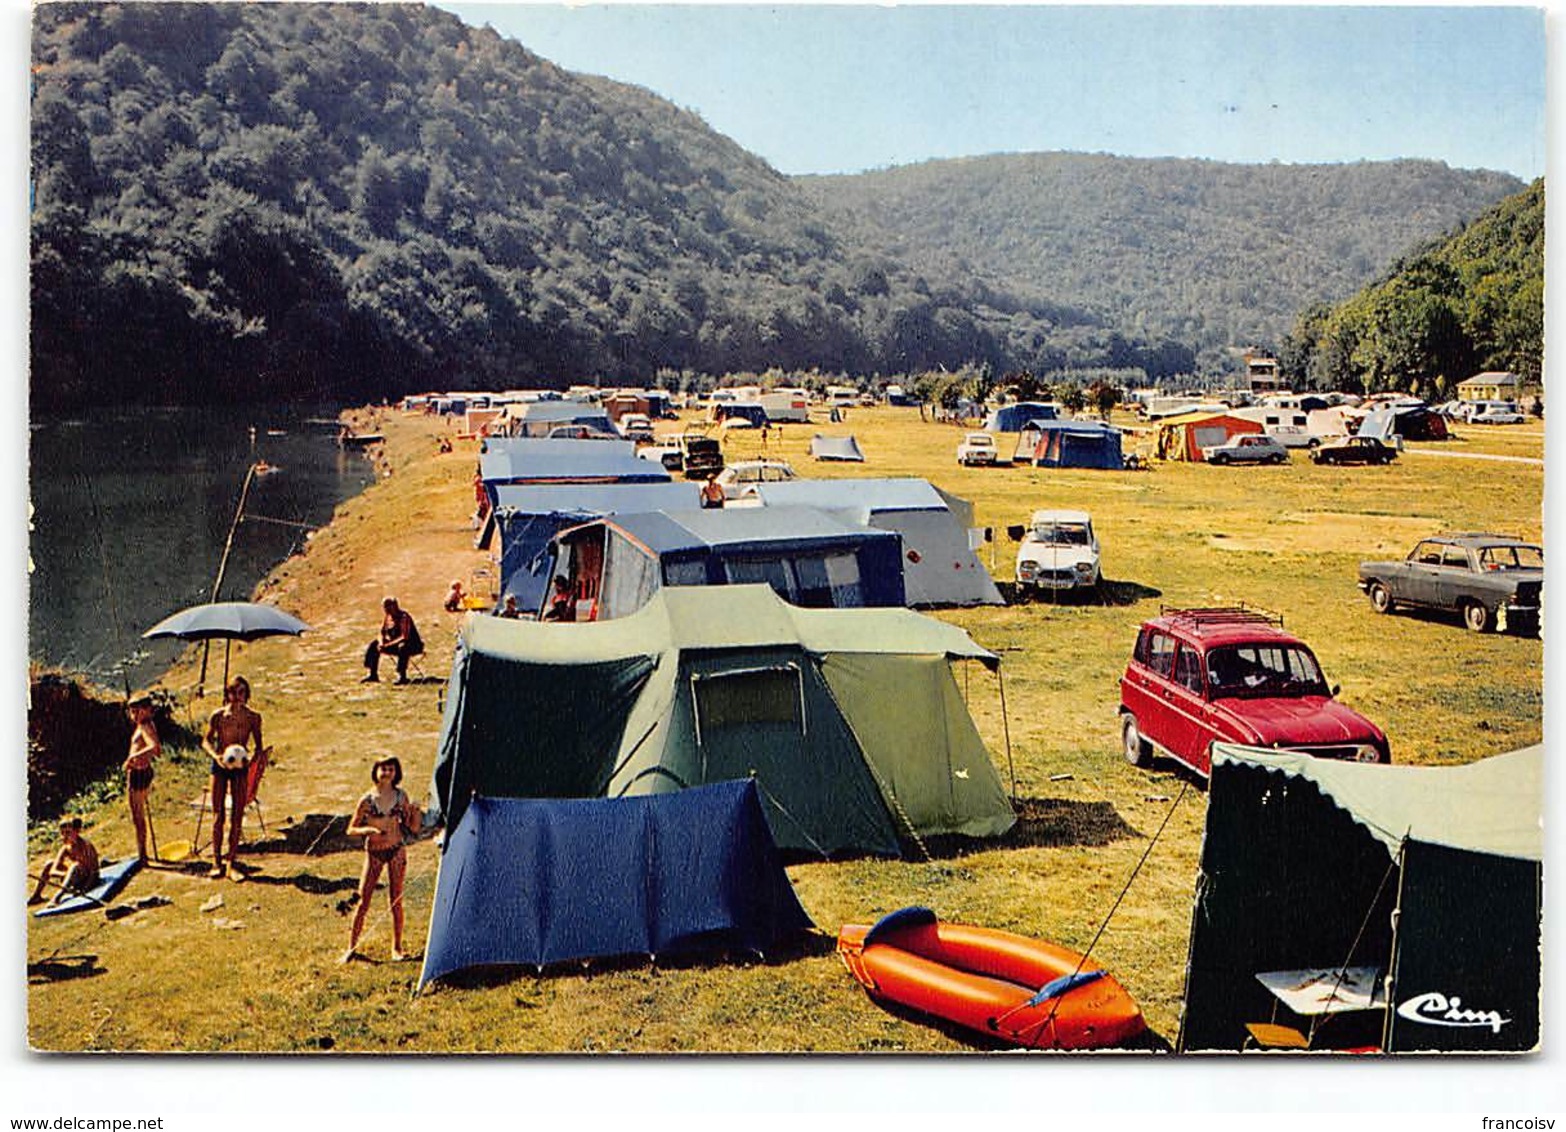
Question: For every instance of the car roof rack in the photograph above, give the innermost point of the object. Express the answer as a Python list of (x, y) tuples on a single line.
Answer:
[(1241, 614)]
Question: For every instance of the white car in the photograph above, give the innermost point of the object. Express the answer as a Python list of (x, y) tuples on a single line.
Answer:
[(1498, 412), (1059, 553), (1247, 448), (977, 448), (742, 475), (636, 426)]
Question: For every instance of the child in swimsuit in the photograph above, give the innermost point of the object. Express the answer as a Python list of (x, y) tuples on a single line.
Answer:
[(145, 746), (384, 818), (74, 868)]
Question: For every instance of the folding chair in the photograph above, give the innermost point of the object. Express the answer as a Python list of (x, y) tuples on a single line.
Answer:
[(253, 775)]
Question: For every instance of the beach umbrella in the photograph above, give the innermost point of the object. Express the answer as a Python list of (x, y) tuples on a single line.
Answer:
[(228, 621)]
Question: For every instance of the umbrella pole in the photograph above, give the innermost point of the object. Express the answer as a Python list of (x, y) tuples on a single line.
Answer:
[(227, 645)]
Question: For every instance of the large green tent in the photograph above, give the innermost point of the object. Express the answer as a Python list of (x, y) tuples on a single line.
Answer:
[(849, 720), (1422, 885)]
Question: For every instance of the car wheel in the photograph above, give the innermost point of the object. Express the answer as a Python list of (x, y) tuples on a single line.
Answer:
[(1313, 442), (1216, 460), (1380, 598), (1477, 616), (1279, 459), (1137, 750)]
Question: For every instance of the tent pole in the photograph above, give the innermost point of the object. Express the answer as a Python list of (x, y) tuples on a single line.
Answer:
[(1000, 679), (1388, 1011)]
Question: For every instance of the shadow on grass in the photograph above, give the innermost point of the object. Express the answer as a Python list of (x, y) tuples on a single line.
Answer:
[(1148, 1042), (806, 945), (63, 968), (1107, 592), (314, 835), (1044, 823)]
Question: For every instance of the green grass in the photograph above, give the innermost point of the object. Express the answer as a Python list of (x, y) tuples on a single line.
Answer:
[(1287, 539)]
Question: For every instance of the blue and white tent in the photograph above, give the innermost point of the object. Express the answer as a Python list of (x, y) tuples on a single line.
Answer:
[(1014, 418), (507, 460), (940, 566), (527, 517), (808, 557)]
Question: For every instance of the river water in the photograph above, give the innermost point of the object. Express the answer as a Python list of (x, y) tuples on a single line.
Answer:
[(131, 510)]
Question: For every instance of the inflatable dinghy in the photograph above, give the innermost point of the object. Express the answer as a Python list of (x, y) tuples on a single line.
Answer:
[(1008, 987)]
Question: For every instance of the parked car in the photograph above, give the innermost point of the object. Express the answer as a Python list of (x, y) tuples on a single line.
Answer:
[(736, 478), (1493, 581), (977, 448), (1247, 448), (1200, 676), (1499, 413), (700, 456), (636, 426), (1059, 553), (1353, 450)]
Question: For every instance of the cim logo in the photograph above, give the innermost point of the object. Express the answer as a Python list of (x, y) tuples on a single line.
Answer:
[(1436, 1009)]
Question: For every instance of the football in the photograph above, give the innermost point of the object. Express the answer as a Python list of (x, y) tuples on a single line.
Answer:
[(234, 756)]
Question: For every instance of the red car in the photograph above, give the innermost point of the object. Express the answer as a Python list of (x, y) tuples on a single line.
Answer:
[(1233, 675)]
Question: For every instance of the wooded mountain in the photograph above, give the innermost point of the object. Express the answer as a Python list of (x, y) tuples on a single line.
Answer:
[(1455, 307), (334, 200), (1211, 254)]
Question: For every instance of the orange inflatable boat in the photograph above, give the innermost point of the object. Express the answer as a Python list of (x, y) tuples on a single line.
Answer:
[(1019, 990)]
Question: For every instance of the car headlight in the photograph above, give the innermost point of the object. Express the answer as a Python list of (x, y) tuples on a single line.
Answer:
[(1027, 569), (1367, 753), (1083, 567)]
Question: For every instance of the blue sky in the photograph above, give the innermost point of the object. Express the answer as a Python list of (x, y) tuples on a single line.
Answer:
[(842, 88)]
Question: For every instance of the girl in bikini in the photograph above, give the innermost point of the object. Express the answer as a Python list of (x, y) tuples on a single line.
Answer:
[(145, 746), (384, 818)]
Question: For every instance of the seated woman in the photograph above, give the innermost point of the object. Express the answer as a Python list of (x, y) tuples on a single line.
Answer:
[(399, 637)]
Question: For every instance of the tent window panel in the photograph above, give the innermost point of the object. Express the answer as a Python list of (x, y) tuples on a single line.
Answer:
[(842, 572), (742, 699), (691, 573), (740, 571)]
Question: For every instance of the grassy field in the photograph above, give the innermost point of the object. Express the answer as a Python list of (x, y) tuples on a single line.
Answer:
[(260, 973)]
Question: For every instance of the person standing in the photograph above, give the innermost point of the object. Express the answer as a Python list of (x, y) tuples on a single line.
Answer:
[(384, 817), (232, 725), (712, 492), (399, 637), (145, 746)]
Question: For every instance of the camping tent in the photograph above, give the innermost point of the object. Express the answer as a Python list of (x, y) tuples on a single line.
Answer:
[(939, 565), (1411, 422), (836, 448), (535, 419), (1015, 418), (1423, 882), (850, 721), (526, 881), (809, 557), (1071, 444), (1183, 437), (527, 517), (508, 460)]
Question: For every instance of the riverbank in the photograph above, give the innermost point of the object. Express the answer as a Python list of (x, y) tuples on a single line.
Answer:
[(260, 972)]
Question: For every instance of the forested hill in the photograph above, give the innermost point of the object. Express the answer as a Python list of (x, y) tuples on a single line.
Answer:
[(1209, 253), (349, 201), (266, 200), (1455, 307)]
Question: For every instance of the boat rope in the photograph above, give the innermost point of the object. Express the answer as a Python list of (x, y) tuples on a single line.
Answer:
[(1039, 1028), (1321, 1019), (799, 825)]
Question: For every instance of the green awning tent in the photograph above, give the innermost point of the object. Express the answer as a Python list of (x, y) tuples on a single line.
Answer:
[(1426, 879), (850, 721)]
